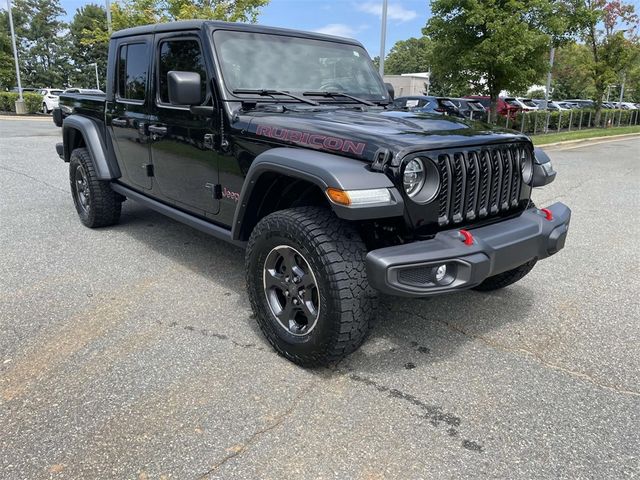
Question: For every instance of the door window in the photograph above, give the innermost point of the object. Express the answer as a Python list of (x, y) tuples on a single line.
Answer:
[(132, 71), (181, 55)]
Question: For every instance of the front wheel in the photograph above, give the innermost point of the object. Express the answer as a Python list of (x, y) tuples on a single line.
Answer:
[(308, 285)]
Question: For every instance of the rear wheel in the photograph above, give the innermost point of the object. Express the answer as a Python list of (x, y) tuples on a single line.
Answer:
[(45, 110), (96, 203), (308, 285)]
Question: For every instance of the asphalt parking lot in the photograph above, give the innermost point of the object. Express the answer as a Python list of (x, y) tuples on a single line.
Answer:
[(130, 352)]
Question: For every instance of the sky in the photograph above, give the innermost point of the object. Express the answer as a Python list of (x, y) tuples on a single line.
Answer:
[(348, 18)]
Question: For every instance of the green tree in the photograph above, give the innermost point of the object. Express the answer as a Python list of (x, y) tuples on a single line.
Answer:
[(571, 72), (88, 45), (415, 55), (7, 69), (408, 56), (132, 13), (493, 45), (39, 30), (608, 30)]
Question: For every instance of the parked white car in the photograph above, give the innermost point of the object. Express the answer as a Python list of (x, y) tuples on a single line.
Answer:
[(50, 97), (84, 91)]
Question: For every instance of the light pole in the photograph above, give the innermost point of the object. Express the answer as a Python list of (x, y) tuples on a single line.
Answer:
[(383, 36), (20, 109), (108, 5), (548, 87), (97, 78)]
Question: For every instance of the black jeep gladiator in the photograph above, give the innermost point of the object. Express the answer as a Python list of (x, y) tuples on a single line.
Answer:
[(285, 143)]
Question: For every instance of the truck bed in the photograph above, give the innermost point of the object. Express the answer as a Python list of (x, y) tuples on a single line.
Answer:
[(88, 105)]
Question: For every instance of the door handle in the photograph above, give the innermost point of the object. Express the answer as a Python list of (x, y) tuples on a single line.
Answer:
[(158, 130), (119, 122)]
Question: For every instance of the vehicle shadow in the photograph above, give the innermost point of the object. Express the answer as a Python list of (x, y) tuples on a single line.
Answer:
[(407, 332)]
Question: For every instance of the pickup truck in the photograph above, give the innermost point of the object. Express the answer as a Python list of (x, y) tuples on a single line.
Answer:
[(285, 143)]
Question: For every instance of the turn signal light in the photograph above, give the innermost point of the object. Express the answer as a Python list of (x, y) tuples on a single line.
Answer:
[(355, 198), (338, 196)]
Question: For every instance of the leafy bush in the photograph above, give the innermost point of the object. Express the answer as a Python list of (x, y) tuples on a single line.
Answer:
[(8, 101), (535, 122), (33, 102)]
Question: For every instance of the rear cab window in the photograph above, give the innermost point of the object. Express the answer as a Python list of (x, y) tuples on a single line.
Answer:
[(133, 60)]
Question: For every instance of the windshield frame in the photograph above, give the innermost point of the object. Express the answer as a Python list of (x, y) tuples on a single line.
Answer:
[(228, 96)]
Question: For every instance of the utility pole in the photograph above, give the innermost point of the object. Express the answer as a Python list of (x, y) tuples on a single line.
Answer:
[(108, 2), (97, 78), (429, 81), (383, 36), (547, 90), (624, 78), (20, 108)]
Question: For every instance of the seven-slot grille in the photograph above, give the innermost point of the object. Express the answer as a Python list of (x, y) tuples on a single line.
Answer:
[(479, 182)]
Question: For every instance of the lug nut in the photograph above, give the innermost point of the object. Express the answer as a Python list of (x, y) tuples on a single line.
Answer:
[(296, 279), (295, 301), (286, 279), (286, 293)]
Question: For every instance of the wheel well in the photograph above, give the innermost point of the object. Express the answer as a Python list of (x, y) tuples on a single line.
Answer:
[(273, 192), (73, 139)]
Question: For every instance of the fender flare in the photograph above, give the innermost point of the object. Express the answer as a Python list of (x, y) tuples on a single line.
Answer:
[(95, 142), (324, 170)]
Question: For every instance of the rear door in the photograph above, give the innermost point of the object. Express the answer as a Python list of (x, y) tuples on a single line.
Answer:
[(185, 165), (129, 113)]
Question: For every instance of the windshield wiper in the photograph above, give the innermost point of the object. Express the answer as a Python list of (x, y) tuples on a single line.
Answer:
[(270, 93), (340, 94)]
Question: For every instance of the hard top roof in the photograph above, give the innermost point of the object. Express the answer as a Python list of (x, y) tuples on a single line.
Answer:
[(213, 25)]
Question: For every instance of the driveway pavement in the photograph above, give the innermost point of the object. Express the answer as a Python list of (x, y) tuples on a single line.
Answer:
[(130, 352)]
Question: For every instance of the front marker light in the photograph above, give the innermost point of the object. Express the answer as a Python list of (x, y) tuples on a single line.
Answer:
[(547, 167), (357, 198)]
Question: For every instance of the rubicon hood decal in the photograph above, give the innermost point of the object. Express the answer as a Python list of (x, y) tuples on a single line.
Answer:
[(313, 140)]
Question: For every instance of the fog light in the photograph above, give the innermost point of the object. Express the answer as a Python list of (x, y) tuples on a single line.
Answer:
[(441, 273)]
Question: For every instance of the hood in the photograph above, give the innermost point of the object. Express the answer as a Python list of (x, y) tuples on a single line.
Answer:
[(363, 134)]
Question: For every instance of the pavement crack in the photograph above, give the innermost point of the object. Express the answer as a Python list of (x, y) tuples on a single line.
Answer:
[(526, 352), (17, 172), (239, 449), (435, 415)]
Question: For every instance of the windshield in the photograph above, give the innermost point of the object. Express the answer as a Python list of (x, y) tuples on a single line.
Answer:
[(259, 61)]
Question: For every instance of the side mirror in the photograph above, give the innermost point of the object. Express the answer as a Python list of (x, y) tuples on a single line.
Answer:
[(390, 89), (184, 88)]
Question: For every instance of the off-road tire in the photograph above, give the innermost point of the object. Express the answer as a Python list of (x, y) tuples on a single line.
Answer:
[(335, 252), (505, 279), (104, 205)]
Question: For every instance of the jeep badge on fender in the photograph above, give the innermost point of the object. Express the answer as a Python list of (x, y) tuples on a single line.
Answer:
[(285, 144)]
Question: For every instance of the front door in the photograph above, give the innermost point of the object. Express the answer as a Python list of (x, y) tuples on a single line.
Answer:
[(129, 114), (185, 166)]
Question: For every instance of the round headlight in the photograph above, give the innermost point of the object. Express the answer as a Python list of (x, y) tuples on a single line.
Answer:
[(421, 179), (526, 166), (413, 178)]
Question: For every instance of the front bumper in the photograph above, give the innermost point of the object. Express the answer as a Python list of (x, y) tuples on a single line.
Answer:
[(410, 270)]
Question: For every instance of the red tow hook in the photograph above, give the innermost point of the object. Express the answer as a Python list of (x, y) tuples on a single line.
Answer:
[(467, 238), (547, 213)]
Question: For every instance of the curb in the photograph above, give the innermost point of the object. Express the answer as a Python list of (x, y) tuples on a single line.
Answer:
[(26, 117), (588, 141)]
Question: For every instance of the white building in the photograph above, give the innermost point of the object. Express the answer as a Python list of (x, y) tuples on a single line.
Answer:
[(409, 84)]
